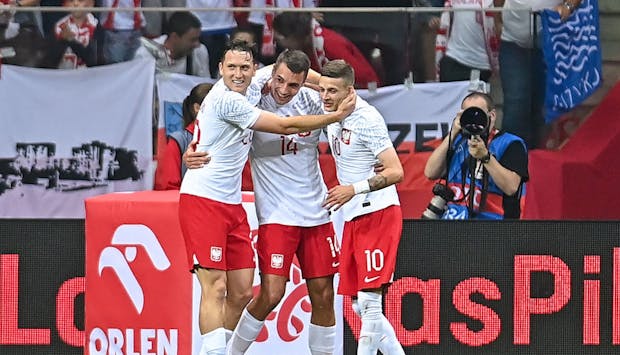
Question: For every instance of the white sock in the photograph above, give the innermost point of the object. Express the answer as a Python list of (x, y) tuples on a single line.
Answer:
[(214, 342), (321, 340), (389, 343), (372, 329), (245, 333)]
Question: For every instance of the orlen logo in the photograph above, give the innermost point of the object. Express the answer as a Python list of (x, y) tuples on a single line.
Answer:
[(132, 235), (132, 337)]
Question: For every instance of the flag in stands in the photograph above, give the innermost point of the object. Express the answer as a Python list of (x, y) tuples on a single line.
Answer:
[(572, 52)]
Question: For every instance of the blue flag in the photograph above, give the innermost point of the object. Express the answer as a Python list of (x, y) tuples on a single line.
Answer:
[(572, 52)]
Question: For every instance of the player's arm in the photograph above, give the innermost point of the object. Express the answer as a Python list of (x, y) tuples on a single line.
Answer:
[(270, 122), (391, 174)]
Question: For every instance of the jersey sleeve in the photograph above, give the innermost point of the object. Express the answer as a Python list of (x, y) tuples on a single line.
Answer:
[(235, 109), (375, 136)]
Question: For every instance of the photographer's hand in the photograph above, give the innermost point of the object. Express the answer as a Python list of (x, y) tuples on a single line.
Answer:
[(436, 164), (456, 125), (477, 147)]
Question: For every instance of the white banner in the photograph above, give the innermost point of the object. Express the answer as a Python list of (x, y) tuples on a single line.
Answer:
[(418, 113), (72, 134), (172, 89)]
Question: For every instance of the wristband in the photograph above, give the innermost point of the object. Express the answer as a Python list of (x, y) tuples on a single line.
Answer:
[(485, 159), (361, 187)]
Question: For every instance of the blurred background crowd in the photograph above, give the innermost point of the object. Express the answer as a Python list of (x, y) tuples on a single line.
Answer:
[(408, 41)]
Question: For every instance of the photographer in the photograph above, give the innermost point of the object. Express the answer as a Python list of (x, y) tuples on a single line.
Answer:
[(475, 150)]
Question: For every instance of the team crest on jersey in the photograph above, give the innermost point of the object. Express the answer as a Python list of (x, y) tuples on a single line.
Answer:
[(345, 136), (216, 254), (277, 261)]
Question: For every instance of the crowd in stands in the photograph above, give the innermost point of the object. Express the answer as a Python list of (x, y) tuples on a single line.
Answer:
[(424, 46)]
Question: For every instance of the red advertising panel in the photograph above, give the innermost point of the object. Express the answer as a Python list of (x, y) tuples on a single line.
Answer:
[(41, 287), (127, 250)]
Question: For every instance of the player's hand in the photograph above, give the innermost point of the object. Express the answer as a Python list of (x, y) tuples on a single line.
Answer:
[(347, 105), (266, 88), (194, 159), (338, 196)]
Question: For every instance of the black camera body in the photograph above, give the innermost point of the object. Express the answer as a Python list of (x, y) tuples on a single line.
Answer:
[(437, 206), (474, 122)]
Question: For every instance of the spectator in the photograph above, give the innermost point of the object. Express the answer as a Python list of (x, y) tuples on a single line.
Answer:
[(156, 20), (121, 30), (31, 49), (76, 33), (466, 40), (171, 168), (495, 161), (297, 30), (522, 69), (216, 27), (185, 53), (27, 19), (262, 23), (247, 34)]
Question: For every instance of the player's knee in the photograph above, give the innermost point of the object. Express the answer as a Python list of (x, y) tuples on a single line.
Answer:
[(322, 297), (214, 288), (240, 298), (272, 295)]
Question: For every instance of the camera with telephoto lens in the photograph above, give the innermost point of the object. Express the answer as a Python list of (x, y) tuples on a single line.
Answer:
[(474, 122), (437, 206)]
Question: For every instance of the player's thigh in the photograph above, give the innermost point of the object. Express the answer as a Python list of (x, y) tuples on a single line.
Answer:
[(276, 248)]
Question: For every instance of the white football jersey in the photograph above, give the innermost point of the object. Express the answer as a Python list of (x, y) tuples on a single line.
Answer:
[(222, 130), (288, 184), (355, 143)]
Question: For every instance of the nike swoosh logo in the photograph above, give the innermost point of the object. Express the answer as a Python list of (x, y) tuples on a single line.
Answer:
[(370, 279), (336, 264)]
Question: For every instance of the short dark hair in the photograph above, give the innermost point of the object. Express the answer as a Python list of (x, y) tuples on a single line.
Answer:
[(238, 45), (296, 61), (182, 21), (339, 69), (249, 30), (293, 24), (487, 98)]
